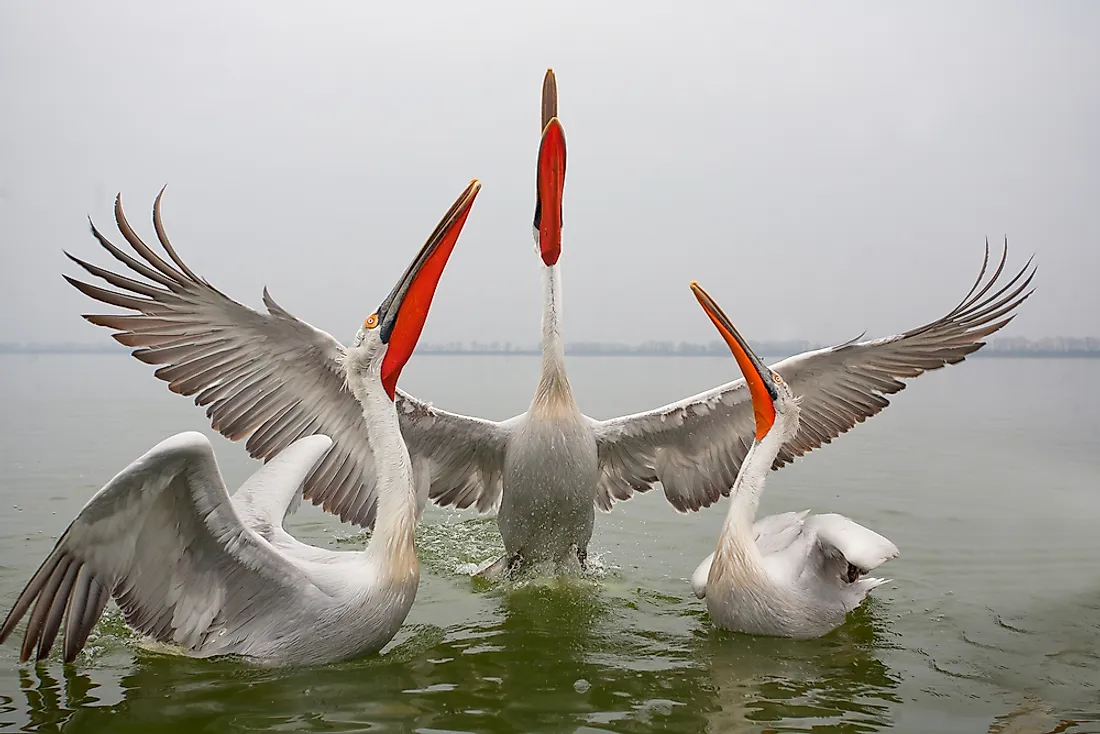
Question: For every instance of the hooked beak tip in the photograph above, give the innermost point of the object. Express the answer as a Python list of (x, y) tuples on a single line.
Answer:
[(549, 98)]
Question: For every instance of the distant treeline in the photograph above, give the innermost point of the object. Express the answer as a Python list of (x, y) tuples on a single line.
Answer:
[(1007, 347)]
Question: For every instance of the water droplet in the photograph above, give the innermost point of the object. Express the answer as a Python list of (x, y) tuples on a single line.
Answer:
[(581, 685)]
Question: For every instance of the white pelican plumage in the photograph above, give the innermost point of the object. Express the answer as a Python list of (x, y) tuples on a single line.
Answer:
[(268, 377), (216, 575), (792, 574)]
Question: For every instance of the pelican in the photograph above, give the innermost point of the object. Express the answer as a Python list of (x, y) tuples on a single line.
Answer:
[(264, 377), (215, 575), (787, 575)]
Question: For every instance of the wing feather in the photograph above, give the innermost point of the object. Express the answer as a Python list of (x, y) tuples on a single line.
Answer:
[(862, 547), (165, 540), (695, 447), (271, 378)]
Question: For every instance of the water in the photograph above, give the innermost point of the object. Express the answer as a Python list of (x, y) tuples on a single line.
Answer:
[(985, 475)]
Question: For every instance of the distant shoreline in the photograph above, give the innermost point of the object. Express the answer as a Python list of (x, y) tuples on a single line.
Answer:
[(987, 352)]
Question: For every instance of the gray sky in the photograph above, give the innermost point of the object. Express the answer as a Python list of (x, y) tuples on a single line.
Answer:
[(821, 170)]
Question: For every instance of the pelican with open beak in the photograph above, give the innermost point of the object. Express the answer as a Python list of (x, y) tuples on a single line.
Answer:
[(211, 574), (792, 574)]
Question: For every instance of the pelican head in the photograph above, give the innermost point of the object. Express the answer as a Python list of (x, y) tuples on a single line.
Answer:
[(388, 336), (551, 176), (773, 403)]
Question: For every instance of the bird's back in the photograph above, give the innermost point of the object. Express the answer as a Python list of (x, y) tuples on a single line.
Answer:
[(800, 594)]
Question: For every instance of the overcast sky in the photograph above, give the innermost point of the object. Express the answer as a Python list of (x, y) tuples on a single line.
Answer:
[(821, 170)]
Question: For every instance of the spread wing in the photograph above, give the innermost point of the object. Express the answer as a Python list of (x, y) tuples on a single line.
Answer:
[(164, 539), (273, 378), (465, 455), (695, 447)]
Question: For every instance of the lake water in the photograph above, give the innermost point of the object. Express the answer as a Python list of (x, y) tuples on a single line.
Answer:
[(986, 475)]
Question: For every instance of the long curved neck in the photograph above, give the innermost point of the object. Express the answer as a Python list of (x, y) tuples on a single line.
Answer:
[(393, 539), (745, 494), (737, 542), (553, 388)]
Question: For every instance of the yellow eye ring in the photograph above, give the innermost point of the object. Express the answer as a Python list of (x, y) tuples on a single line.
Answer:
[(371, 322), (777, 378)]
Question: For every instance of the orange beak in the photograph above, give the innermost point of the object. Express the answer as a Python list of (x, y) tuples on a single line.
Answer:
[(551, 188), (758, 377), (403, 313)]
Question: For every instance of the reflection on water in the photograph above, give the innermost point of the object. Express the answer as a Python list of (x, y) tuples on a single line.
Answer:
[(1034, 716), (796, 685), (549, 659), (554, 655)]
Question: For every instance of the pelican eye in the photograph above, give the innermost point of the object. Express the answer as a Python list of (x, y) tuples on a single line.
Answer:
[(371, 322), (777, 378)]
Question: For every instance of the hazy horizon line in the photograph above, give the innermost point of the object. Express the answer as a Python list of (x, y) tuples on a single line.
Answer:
[(997, 347)]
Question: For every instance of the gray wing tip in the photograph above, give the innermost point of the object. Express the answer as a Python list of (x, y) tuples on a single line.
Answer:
[(851, 342)]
